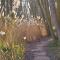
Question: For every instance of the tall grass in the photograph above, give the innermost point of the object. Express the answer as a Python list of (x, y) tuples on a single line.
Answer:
[(32, 29), (17, 32), (10, 48)]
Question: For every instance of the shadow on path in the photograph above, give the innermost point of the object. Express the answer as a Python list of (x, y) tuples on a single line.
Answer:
[(38, 50)]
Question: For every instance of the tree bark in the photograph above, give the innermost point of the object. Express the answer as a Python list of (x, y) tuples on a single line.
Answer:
[(54, 16), (58, 10), (48, 18)]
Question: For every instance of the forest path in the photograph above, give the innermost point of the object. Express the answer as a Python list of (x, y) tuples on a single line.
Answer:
[(38, 50)]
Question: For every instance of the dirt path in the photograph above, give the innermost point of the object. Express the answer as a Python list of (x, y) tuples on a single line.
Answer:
[(38, 50)]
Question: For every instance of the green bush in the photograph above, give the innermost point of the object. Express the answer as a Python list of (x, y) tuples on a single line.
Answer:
[(14, 52)]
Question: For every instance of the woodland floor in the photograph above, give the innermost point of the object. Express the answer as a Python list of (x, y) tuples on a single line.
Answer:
[(39, 50)]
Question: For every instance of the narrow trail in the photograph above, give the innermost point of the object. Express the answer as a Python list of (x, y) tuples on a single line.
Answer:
[(38, 50)]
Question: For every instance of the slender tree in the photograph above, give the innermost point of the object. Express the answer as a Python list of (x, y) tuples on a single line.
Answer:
[(54, 16), (2, 7), (47, 16), (58, 10), (11, 4)]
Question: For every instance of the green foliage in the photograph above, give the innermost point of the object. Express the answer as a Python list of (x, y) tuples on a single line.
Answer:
[(54, 49), (19, 49), (14, 52)]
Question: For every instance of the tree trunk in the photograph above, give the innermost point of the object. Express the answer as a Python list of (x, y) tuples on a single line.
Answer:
[(58, 10), (2, 7), (48, 18), (10, 5), (54, 16)]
